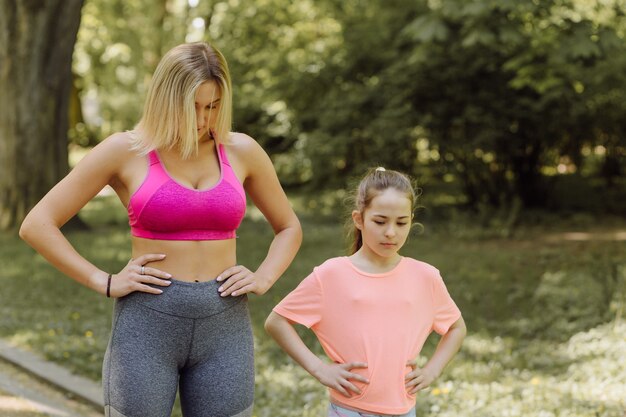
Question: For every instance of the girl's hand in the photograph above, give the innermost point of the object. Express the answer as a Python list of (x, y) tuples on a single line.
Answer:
[(337, 376), (239, 280), (135, 277), (418, 378)]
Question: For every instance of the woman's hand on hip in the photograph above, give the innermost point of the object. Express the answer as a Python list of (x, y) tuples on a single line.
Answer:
[(136, 277), (238, 280)]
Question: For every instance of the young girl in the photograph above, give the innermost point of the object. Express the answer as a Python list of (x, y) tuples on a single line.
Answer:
[(372, 311)]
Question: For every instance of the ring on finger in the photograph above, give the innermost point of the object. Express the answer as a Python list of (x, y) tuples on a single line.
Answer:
[(143, 269)]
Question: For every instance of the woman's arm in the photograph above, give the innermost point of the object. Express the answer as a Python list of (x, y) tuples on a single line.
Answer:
[(448, 346), (334, 375), (262, 185), (41, 227)]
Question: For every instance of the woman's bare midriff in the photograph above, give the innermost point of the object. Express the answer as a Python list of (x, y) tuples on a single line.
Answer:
[(189, 260)]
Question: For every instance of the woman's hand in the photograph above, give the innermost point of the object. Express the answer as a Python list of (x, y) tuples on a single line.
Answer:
[(238, 280), (418, 378), (135, 277), (337, 376)]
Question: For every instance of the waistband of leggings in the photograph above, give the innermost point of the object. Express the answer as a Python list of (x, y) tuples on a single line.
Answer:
[(186, 299)]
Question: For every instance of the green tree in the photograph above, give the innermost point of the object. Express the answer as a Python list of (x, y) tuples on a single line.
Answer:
[(119, 45), (365, 117), (503, 86), (488, 92), (36, 43)]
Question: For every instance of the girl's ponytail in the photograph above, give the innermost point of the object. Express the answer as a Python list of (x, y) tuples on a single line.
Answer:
[(357, 240)]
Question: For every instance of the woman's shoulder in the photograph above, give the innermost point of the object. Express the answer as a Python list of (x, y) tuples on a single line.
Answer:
[(119, 143), (243, 146), (247, 156), (113, 150), (116, 152)]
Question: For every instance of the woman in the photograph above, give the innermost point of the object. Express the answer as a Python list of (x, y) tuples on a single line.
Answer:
[(181, 316)]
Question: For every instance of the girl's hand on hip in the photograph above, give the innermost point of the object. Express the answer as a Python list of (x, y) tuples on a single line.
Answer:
[(135, 277), (239, 280), (337, 376), (418, 378)]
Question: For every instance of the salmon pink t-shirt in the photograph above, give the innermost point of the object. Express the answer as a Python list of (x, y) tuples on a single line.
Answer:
[(380, 319)]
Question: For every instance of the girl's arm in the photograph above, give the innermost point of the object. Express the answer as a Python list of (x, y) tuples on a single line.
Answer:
[(262, 185), (334, 375), (41, 227), (448, 346)]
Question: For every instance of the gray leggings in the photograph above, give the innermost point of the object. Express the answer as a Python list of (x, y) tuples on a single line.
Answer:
[(187, 336)]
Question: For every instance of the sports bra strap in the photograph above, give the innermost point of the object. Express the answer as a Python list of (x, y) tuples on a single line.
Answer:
[(223, 156), (154, 158)]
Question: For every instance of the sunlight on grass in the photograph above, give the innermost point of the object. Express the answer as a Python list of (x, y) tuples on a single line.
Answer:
[(478, 345), (593, 383)]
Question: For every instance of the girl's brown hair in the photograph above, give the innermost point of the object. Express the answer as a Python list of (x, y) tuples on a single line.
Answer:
[(375, 182)]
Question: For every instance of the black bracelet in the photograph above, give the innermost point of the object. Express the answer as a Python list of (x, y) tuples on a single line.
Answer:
[(109, 286)]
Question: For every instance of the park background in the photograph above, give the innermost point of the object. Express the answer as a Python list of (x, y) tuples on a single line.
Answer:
[(509, 114)]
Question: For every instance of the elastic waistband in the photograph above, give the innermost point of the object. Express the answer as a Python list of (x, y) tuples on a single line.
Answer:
[(186, 299), (197, 234)]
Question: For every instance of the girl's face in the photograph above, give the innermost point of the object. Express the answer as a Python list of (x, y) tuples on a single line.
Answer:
[(385, 223), (207, 107)]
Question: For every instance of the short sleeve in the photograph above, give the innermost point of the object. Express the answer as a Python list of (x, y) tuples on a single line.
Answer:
[(446, 311), (304, 304)]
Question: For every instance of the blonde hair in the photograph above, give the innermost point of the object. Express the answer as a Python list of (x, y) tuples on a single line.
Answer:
[(169, 113), (375, 182)]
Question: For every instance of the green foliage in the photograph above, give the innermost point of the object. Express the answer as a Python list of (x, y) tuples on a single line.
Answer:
[(488, 94), (119, 44), (509, 84)]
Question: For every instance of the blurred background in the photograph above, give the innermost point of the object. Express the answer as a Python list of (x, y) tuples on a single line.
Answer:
[(509, 114)]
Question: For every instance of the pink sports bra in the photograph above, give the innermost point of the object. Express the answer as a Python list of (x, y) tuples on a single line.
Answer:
[(163, 209)]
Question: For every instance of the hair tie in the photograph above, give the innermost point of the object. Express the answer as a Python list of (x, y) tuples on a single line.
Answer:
[(381, 169)]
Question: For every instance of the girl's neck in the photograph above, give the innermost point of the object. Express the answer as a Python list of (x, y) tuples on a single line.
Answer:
[(370, 263)]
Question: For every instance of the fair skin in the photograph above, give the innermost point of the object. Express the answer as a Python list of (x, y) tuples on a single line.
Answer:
[(384, 226), (112, 163)]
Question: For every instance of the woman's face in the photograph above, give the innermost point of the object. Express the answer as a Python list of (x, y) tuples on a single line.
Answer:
[(207, 107)]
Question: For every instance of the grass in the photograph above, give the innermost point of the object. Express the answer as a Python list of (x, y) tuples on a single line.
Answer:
[(544, 311)]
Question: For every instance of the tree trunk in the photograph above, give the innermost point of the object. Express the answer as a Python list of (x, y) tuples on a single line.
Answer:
[(37, 39)]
